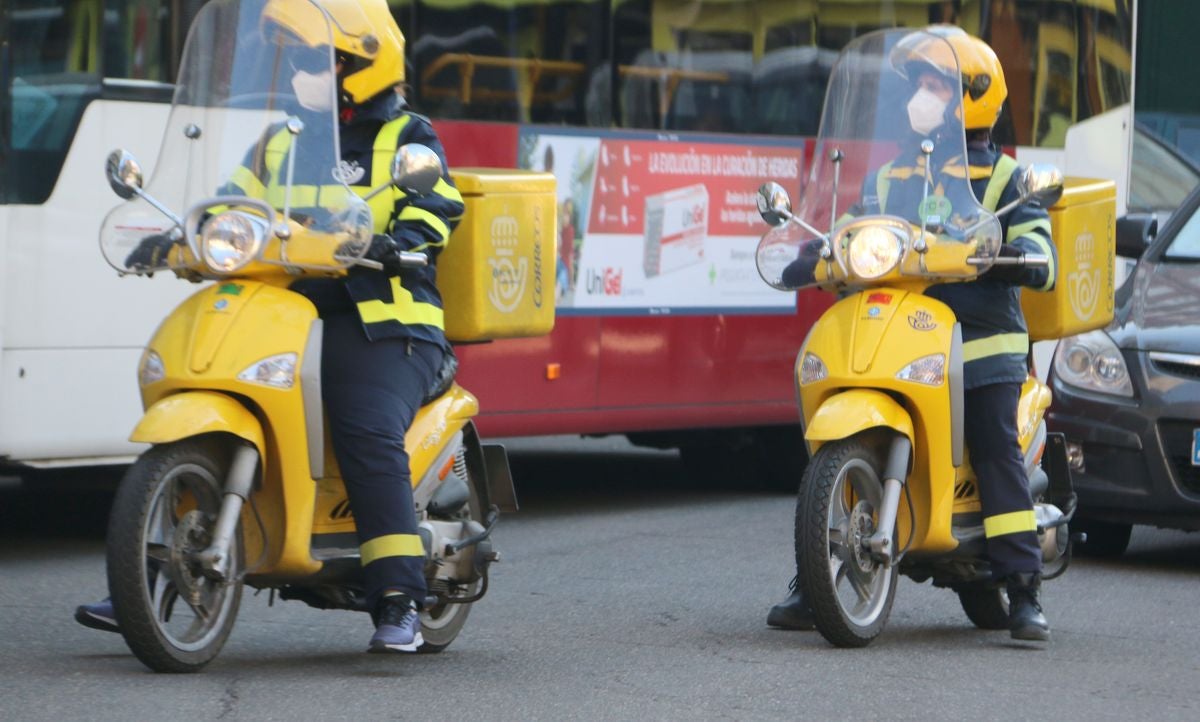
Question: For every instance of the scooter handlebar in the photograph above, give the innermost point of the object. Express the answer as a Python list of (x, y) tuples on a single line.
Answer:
[(1026, 260)]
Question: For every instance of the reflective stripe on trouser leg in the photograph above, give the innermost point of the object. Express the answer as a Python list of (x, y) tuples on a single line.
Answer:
[(372, 392), (1008, 519)]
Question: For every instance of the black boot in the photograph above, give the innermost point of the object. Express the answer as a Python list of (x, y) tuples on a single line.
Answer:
[(793, 612), (1025, 618)]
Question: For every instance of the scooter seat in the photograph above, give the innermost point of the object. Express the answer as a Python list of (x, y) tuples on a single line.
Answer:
[(443, 379)]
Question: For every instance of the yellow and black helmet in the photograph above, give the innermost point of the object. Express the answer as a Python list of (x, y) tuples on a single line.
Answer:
[(982, 77), (365, 38)]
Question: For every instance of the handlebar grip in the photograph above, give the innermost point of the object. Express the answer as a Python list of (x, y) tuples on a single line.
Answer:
[(1027, 260), (413, 260)]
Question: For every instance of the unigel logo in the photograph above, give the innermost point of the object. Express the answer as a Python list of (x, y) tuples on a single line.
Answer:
[(509, 273), (1083, 284), (693, 216)]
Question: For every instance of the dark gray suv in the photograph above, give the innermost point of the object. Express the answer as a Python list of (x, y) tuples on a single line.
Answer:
[(1128, 397)]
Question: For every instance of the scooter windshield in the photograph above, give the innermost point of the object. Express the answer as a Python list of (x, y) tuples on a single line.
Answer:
[(889, 191), (249, 163)]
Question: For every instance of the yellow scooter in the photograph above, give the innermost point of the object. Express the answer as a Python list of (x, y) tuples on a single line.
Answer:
[(239, 485), (879, 379)]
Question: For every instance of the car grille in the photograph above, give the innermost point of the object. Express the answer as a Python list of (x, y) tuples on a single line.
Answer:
[(1187, 367), (1177, 442)]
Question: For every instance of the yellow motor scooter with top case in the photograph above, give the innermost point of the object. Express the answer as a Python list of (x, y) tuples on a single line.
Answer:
[(239, 485), (879, 379)]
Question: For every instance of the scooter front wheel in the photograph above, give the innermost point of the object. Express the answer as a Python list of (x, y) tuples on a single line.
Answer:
[(173, 618), (850, 592)]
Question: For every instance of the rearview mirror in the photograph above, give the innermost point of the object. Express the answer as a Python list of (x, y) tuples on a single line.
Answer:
[(124, 173), (1135, 232), (1041, 182), (416, 168), (774, 204)]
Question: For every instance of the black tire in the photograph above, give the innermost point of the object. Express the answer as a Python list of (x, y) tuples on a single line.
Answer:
[(148, 572), (1105, 539), (440, 625), (829, 563), (987, 608)]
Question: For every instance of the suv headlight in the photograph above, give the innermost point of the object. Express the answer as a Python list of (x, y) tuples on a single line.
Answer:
[(232, 239), (874, 251), (1093, 362)]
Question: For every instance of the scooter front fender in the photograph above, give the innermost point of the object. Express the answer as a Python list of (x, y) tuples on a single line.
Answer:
[(191, 413), (846, 413)]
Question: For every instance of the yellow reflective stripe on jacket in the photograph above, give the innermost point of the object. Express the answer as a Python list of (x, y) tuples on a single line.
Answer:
[(384, 150), (1001, 343), (250, 184), (391, 545), (1005, 167), (412, 213), (882, 186), (447, 191), (974, 172), (276, 150), (308, 196), (403, 308), (1014, 522), (1023, 230)]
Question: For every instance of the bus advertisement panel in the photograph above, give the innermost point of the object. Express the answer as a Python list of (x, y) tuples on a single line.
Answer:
[(651, 225)]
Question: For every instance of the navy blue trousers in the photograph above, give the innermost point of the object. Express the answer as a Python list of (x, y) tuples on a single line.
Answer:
[(991, 435), (372, 391)]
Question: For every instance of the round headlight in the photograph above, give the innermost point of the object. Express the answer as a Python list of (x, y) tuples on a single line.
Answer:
[(874, 251), (231, 240)]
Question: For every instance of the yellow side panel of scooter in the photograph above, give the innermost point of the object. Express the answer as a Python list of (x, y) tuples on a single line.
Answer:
[(191, 413), (434, 423), (211, 338), (1031, 409), (864, 341), (1083, 228)]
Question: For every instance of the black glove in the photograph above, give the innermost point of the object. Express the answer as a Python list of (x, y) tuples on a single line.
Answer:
[(385, 250), (1007, 273), (150, 253)]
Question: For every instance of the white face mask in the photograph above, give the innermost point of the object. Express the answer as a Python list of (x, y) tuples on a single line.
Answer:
[(926, 111), (314, 92)]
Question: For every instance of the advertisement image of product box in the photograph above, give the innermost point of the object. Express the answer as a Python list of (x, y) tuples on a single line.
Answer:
[(676, 227)]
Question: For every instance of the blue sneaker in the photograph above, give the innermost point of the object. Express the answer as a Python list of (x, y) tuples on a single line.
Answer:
[(397, 626), (98, 615)]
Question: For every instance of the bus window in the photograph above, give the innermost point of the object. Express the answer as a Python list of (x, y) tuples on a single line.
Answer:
[(506, 61), (1054, 98), (60, 52)]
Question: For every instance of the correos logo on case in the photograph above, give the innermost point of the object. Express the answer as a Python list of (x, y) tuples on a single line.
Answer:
[(509, 273), (1083, 284)]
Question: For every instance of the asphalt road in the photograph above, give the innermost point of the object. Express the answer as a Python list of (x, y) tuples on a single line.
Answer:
[(624, 594)]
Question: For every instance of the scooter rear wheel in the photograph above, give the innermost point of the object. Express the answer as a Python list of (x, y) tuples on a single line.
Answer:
[(986, 607), (851, 593), (173, 618), (441, 624)]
